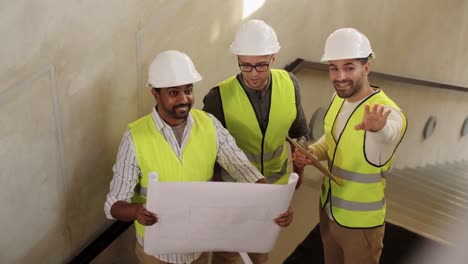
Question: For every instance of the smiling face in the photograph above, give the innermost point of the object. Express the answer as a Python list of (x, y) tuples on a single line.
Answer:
[(255, 79), (174, 103), (349, 78)]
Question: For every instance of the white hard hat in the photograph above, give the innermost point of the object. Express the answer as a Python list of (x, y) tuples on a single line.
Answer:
[(255, 38), (347, 43), (172, 68)]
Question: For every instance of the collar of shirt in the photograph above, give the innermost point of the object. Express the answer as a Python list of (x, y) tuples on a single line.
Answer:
[(349, 106), (161, 124), (253, 91), (168, 133)]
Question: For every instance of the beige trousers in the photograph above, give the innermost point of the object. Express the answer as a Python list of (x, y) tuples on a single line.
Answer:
[(343, 245), (232, 257)]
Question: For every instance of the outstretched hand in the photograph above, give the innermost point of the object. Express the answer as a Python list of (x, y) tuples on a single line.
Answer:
[(373, 120)]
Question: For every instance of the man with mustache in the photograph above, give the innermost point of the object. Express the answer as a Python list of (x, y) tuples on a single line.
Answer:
[(363, 128), (177, 142), (260, 106)]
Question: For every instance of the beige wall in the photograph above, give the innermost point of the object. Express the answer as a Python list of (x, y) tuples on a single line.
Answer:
[(72, 75), (424, 39)]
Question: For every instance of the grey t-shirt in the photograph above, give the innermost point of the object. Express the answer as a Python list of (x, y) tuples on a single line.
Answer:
[(179, 132)]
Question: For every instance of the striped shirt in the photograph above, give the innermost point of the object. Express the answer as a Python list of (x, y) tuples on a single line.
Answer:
[(127, 172)]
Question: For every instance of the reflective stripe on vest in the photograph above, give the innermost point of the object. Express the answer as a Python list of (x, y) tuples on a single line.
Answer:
[(265, 150), (266, 156), (358, 177), (154, 153), (360, 202), (357, 206)]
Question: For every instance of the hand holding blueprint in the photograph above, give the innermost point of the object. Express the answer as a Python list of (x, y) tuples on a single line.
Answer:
[(214, 216)]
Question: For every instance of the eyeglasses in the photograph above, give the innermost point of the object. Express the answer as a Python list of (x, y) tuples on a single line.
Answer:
[(259, 67)]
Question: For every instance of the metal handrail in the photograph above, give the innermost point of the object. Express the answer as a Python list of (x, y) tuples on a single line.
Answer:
[(101, 242), (301, 63)]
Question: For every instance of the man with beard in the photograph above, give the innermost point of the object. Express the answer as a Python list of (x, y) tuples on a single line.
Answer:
[(362, 130), (177, 142), (260, 106)]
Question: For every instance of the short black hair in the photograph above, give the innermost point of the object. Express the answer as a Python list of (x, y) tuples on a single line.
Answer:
[(363, 60)]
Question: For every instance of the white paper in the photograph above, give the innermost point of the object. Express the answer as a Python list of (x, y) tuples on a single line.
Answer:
[(214, 216)]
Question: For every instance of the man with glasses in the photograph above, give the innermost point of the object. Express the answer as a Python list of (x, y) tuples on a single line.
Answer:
[(260, 106)]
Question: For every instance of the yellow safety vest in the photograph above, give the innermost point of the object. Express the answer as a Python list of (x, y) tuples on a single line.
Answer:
[(360, 202), (153, 153), (266, 150)]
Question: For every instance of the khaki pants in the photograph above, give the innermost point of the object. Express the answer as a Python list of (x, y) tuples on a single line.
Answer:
[(148, 259), (232, 257), (343, 245)]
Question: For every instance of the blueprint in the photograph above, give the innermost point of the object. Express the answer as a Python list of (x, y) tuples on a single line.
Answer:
[(214, 216)]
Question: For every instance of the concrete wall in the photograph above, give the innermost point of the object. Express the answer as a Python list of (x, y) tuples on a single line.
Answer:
[(72, 75), (421, 39)]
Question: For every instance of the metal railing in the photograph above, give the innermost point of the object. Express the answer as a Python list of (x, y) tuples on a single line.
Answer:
[(101, 242), (301, 63)]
